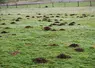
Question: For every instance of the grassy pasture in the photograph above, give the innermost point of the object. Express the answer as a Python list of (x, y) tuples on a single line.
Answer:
[(21, 45), (50, 5)]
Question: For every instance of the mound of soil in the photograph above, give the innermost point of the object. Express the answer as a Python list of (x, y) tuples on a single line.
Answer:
[(47, 28), (18, 14), (12, 23), (57, 16), (17, 20), (74, 45), (62, 29), (9, 14), (3, 23), (33, 16), (72, 23), (40, 60), (57, 22), (63, 56), (27, 16), (46, 6), (14, 34), (28, 27), (53, 30), (61, 24), (49, 20), (53, 45), (79, 49), (7, 27), (3, 32)]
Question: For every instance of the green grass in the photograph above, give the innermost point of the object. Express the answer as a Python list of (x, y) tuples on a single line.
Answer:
[(63, 4), (39, 39)]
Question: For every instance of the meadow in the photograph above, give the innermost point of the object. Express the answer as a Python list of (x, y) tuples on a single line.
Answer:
[(55, 37)]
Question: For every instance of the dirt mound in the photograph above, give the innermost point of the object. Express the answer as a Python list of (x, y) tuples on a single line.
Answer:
[(12, 23), (28, 27), (53, 45), (79, 49), (47, 28), (40, 60), (74, 45), (63, 56), (3, 32)]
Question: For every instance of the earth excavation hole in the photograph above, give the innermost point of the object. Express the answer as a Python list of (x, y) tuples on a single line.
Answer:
[(63, 56), (40, 60)]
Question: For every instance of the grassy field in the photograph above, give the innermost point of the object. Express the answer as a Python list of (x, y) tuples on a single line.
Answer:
[(23, 37), (50, 5)]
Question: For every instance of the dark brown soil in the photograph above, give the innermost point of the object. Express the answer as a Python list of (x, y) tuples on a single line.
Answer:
[(63, 56), (72, 23), (3, 23), (9, 14), (46, 6), (18, 14), (47, 28), (12, 23), (28, 26), (33, 16), (53, 45), (53, 30), (74, 45), (14, 34), (40, 60), (57, 22), (79, 49), (7, 28), (62, 29), (3, 32), (27, 16)]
